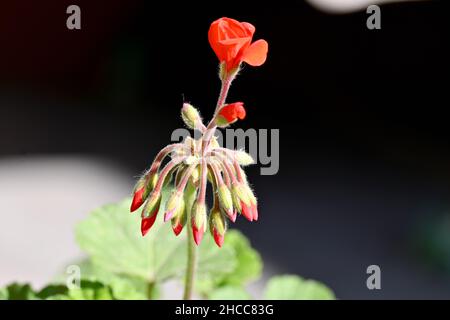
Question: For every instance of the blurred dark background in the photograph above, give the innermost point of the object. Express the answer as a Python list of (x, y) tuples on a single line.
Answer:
[(364, 138)]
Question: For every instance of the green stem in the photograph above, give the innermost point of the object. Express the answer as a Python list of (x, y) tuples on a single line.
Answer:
[(150, 290), (191, 265), (192, 248)]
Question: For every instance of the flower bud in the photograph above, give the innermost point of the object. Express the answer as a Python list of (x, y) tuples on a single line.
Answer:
[(179, 219), (195, 176), (147, 223), (240, 193), (152, 182), (243, 158), (214, 142), (190, 115), (138, 199), (217, 225), (233, 216), (225, 199), (236, 201), (242, 201), (253, 202), (142, 189), (150, 212), (199, 220), (230, 113), (247, 211), (179, 175), (169, 177), (175, 201)]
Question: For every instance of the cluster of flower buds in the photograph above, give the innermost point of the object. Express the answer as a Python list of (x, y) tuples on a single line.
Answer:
[(194, 163), (190, 164)]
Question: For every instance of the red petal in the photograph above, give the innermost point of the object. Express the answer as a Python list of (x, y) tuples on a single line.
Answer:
[(246, 211), (214, 38), (218, 238), (249, 28), (256, 54), (177, 229), (198, 235), (229, 39), (240, 112), (137, 199), (232, 215), (233, 111), (147, 223)]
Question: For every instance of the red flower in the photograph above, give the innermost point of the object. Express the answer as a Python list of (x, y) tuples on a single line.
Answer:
[(231, 112), (231, 40)]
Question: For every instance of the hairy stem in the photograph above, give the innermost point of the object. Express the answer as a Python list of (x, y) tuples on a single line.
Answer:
[(192, 248), (191, 191), (211, 128)]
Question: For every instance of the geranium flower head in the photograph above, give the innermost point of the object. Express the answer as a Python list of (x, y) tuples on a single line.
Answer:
[(194, 163), (231, 40)]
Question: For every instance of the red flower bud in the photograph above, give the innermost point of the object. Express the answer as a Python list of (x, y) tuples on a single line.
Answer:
[(198, 220), (177, 227), (142, 189), (253, 202), (147, 223), (138, 199), (218, 238), (198, 234), (231, 40), (179, 218), (174, 204), (232, 216), (217, 225), (230, 113), (247, 211), (150, 212)]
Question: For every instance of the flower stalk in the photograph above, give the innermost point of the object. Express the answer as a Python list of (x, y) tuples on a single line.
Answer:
[(191, 247), (195, 162)]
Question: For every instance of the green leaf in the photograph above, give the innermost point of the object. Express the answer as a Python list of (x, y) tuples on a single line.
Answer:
[(111, 237), (17, 291), (249, 263), (246, 267), (91, 291), (229, 293), (3, 294), (88, 290), (291, 287), (51, 291), (123, 287)]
